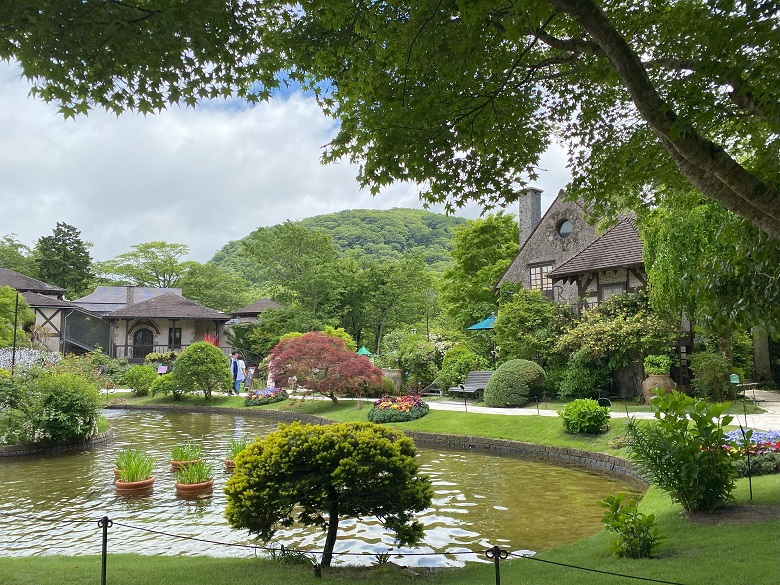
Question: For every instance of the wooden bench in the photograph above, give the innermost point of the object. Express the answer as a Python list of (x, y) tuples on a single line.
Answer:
[(474, 385)]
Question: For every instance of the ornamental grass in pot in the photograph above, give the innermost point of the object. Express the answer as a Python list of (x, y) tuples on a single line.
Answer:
[(195, 479), (133, 471), (185, 454), (235, 446)]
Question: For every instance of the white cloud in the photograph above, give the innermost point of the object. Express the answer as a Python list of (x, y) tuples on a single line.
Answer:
[(198, 177)]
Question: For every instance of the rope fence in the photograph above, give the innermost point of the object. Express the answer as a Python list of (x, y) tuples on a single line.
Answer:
[(494, 553)]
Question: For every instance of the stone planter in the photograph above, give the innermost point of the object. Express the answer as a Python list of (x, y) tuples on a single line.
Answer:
[(654, 382)]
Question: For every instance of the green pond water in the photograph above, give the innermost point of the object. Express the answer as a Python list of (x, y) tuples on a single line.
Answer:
[(51, 504)]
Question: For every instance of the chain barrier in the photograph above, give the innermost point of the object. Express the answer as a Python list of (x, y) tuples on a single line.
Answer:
[(495, 553)]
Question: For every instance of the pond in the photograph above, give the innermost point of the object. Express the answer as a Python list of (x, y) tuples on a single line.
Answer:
[(51, 504)]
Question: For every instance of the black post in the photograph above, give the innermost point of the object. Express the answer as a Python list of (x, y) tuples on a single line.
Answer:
[(16, 320), (104, 523), (496, 554)]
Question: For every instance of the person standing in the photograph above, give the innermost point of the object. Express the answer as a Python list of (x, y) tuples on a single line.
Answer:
[(238, 369)]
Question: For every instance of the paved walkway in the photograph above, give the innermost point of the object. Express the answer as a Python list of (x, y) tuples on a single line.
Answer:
[(767, 400)]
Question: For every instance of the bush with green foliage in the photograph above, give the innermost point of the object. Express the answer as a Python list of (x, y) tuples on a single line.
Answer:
[(686, 450), (202, 366), (397, 409), (318, 474), (710, 375), (140, 379), (657, 365), (386, 388), (417, 359), (457, 363), (167, 384), (584, 416), (760, 464), (637, 535), (160, 358), (511, 384), (584, 376)]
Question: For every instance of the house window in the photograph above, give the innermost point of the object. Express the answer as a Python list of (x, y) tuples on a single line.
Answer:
[(564, 228), (174, 338), (609, 290), (539, 279)]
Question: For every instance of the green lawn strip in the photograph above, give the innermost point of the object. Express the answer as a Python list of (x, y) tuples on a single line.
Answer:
[(693, 553)]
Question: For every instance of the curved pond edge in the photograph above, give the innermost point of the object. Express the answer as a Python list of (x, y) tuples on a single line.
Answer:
[(36, 449), (569, 456)]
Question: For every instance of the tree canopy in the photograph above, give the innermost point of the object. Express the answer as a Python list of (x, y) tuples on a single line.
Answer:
[(318, 474), (63, 259), (461, 98), (155, 264)]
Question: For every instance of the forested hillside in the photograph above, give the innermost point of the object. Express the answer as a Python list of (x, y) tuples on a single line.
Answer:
[(378, 234)]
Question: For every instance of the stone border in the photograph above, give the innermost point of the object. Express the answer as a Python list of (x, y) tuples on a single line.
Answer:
[(567, 456), (35, 449)]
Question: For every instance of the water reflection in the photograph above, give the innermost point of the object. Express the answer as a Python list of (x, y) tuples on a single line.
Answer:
[(479, 501)]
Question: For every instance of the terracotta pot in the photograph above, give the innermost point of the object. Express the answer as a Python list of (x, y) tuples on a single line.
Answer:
[(230, 464), (117, 473), (654, 382), (175, 465), (189, 490), (134, 487)]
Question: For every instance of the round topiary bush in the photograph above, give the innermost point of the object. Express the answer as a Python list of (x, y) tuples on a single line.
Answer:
[(140, 379), (584, 415), (511, 383)]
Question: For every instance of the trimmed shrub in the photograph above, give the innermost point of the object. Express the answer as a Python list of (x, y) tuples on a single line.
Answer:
[(140, 379), (584, 416), (510, 385), (203, 367), (397, 409), (584, 376), (265, 396), (167, 384)]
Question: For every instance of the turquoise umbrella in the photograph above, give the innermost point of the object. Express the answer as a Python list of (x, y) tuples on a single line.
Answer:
[(484, 324)]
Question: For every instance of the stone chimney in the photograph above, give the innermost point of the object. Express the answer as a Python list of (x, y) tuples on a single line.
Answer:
[(529, 212), (130, 300)]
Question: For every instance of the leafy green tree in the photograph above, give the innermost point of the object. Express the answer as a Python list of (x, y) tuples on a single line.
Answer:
[(9, 314), (318, 474), (16, 256), (460, 97), (216, 287), (301, 262), (154, 264), (63, 259), (202, 366), (482, 249)]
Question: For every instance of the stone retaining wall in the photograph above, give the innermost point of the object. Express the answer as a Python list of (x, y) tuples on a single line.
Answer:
[(598, 462), (35, 449)]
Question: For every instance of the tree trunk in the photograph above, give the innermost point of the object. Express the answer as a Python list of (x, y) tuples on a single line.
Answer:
[(333, 528)]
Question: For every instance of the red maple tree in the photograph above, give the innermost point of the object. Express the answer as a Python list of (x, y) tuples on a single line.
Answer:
[(322, 363)]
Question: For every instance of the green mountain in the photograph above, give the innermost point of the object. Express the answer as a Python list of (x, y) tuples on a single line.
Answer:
[(379, 234)]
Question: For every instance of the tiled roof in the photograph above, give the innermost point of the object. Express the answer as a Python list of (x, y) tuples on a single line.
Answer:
[(106, 299), (24, 283), (169, 306), (36, 300), (619, 247), (257, 308)]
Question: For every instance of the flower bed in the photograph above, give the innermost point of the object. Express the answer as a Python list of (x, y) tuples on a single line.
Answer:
[(397, 409), (265, 396), (764, 449)]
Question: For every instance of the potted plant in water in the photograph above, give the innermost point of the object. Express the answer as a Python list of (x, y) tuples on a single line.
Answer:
[(235, 446), (657, 369), (185, 454), (133, 471), (195, 479)]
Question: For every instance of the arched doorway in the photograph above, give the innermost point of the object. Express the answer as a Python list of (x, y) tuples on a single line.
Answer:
[(143, 343)]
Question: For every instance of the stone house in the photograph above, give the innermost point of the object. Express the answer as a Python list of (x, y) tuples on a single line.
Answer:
[(250, 313)]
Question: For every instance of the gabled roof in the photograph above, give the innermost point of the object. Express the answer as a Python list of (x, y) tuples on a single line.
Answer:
[(256, 308), (169, 306), (619, 247), (38, 300), (24, 283), (106, 299)]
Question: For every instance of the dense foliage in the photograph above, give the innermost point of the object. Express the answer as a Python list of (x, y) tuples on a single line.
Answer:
[(457, 363), (140, 379), (11, 313), (584, 416), (202, 366), (511, 384), (710, 375), (397, 409), (63, 260), (316, 475), (683, 452), (322, 363), (637, 535)]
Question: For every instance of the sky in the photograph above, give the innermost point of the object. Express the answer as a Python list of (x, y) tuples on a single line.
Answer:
[(201, 177)]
